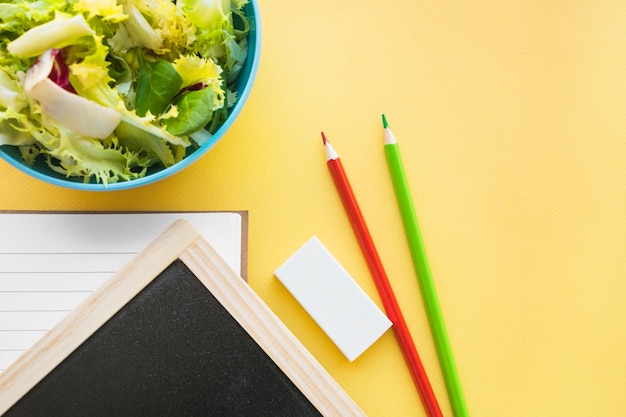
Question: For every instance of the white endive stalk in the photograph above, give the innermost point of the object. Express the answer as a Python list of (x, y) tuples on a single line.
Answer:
[(57, 33), (76, 113)]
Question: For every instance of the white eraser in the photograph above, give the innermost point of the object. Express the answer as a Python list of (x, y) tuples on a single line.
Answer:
[(333, 299)]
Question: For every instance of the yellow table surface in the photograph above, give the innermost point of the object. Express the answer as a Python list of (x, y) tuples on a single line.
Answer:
[(511, 116)]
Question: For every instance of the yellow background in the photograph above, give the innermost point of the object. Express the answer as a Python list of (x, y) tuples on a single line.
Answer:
[(511, 117)]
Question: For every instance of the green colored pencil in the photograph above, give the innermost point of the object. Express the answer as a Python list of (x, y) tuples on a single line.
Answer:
[(422, 269)]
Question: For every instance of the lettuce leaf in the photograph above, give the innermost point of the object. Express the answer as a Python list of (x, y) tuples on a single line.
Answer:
[(108, 10), (157, 85), (105, 161), (194, 112)]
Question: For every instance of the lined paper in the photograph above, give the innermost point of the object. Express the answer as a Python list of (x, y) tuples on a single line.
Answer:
[(50, 262)]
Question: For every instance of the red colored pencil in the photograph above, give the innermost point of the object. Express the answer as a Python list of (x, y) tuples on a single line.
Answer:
[(382, 282)]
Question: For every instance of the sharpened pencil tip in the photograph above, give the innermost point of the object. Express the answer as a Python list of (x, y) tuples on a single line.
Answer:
[(324, 138), (385, 125)]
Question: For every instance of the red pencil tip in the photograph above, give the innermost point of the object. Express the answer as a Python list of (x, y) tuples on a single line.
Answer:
[(324, 138)]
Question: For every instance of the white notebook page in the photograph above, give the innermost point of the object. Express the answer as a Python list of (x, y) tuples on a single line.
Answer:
[(50, 262)]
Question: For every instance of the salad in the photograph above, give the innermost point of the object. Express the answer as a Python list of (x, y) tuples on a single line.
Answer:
[(105, 89)]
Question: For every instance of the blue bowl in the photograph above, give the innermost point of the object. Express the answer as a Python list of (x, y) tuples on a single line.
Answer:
[(243, 86)]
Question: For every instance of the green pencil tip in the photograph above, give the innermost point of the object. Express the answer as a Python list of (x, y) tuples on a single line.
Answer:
[(385, 125)]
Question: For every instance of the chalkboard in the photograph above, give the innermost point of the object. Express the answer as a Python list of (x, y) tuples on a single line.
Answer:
[(174, 333)]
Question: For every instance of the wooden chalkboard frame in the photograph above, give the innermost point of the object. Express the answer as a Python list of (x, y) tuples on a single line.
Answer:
[(179, 242)]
